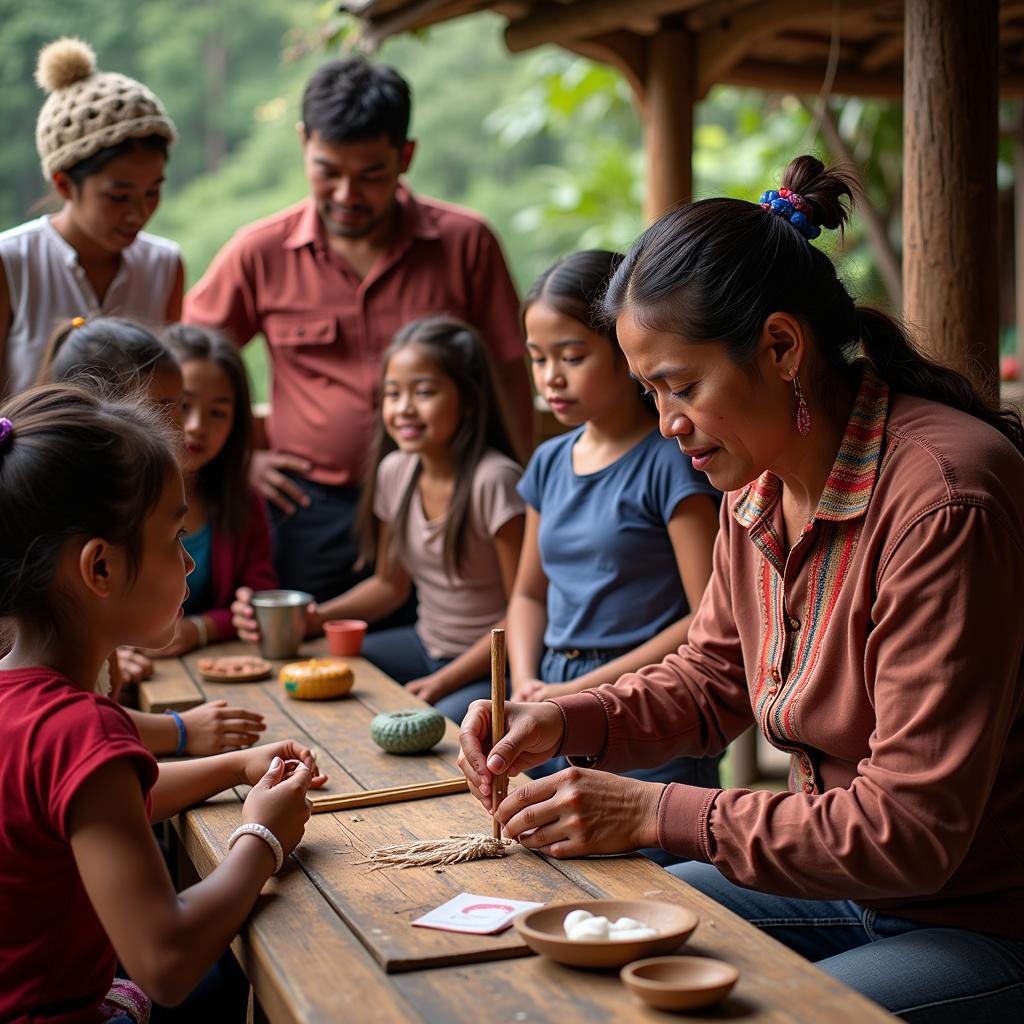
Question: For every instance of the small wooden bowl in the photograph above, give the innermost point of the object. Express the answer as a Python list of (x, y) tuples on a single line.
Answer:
[(542, 930), (680, 982)]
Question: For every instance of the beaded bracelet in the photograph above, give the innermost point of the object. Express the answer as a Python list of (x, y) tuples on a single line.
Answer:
[(182, 733), (255, 829)]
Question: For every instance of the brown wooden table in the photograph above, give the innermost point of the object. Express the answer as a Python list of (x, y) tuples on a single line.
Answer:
[(331, 941)]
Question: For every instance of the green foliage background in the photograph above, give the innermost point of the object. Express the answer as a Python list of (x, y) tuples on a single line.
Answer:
[(547, 145)]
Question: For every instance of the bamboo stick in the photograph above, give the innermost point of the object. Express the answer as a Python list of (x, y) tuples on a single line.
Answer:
[(500, 789), (392, 795)]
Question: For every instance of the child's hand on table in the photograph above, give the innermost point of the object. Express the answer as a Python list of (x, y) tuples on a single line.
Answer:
[(429, 688), (257, 759), (213, 728), (133, 665), (278, 801)]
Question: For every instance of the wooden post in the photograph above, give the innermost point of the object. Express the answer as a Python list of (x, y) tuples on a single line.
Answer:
[(668, 126), (950, 128)]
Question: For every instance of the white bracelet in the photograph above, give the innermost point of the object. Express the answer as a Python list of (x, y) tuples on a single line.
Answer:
[(255, 829), (200, 624)]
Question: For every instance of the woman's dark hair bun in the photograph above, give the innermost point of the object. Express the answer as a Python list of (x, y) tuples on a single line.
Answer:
[(824, 189)]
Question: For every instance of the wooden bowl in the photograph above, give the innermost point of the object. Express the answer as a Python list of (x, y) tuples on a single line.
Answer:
[(542, 931), (680, 982)]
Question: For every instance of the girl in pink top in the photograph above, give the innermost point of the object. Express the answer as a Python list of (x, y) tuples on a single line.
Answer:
[(439, 510), (84, 568)]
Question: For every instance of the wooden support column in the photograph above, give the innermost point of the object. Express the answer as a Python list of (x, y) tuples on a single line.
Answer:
[(668, 121), (950, 129)]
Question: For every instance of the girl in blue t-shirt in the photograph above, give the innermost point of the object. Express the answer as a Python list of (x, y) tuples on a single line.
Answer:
[(619, 526)]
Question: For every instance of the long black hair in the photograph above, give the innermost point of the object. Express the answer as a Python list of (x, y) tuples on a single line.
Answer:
[(223, 482), (715, 270), (459, 354)]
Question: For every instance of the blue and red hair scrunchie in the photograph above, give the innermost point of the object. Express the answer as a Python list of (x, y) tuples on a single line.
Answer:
[(793, 207)]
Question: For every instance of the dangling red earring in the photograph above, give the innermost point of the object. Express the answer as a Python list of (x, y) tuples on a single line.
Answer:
[(803, 414)]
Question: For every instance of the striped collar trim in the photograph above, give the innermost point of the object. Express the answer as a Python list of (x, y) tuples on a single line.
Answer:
[(851, 482)]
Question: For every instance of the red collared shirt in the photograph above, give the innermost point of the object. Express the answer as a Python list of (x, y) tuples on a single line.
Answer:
[(884, 651), (327, 328)]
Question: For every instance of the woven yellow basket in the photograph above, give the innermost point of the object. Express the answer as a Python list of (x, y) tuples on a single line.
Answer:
[(316, 679)]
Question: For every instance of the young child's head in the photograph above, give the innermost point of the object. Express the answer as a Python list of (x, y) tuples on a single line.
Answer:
[(119, 355), (216, 417), (438, 402), (578, 367), (91, 510), (102, 140)]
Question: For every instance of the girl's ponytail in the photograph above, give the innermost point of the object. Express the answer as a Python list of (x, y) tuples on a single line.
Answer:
[(906, 370)]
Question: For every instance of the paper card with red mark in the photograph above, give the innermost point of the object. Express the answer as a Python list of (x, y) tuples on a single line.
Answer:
[(478, 915)]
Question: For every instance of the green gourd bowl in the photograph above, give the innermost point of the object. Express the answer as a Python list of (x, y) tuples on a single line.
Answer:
[(413, 731)]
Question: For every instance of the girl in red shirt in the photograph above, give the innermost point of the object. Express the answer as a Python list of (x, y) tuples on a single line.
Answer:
[(84, 568)]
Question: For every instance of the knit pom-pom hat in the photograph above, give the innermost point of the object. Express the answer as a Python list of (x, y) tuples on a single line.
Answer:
[(89, 110)]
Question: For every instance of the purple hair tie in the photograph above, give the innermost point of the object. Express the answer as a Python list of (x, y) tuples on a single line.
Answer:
[(6, 427)]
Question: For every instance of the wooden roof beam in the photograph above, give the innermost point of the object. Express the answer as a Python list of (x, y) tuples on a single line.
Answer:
[(403, 19), (722, 48), (624, 51), (757, 74), (885, 51), (563, 23)]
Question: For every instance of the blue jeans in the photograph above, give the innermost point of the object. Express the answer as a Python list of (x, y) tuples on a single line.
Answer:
[(400, 654), (919, 972), (556, 667)]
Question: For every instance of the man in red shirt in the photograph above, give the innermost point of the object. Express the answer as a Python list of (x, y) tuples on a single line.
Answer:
[(328, 282)]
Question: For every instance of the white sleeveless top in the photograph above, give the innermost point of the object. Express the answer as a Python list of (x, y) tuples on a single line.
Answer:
[(46, 286)]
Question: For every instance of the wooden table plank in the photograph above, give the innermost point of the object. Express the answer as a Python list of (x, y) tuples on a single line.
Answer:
[(304, 964), (379, 905), (339, 944), (336, 725), (171, 688)]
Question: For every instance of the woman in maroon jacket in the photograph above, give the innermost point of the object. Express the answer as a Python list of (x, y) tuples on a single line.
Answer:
[(864, 613)]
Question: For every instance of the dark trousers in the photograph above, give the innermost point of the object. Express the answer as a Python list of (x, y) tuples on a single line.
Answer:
[(315, 548)]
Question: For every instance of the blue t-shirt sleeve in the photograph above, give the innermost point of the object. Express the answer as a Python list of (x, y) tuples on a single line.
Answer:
[(673, 478), (531, 485)]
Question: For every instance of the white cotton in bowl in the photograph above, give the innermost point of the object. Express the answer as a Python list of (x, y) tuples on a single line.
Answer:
[(632, 934), (627, 923), (593, 928), (573, 918)]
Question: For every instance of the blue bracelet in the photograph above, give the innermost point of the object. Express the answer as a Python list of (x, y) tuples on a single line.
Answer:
[(182, 733)]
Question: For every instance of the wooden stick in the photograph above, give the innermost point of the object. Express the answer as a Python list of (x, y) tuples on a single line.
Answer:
[(498, 717), (392, 795)]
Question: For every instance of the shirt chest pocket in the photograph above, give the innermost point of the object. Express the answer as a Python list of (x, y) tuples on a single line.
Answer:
[(297, 331)]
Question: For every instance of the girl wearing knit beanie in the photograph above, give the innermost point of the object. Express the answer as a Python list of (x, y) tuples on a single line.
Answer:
[(103, 141)]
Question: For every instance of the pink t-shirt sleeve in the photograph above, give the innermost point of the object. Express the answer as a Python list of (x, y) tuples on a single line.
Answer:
[(494, 492), (82, 735), (392, 480)]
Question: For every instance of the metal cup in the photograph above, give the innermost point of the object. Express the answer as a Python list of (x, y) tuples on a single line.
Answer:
[(281, 617)]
